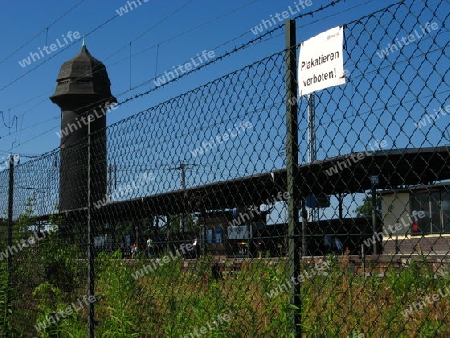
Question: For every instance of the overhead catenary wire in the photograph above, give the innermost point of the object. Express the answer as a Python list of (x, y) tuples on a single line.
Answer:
[(236, 49), (184, 32), (243, 46), (259, 38), (56, 54), (41, 31), (213, 61), (55, 127), (130, 57), (159, 43)]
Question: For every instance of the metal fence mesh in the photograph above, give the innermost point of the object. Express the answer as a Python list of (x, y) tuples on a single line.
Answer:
[(203, 177)]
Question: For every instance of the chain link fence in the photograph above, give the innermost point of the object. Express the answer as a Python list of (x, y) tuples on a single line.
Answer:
[(181, 227)]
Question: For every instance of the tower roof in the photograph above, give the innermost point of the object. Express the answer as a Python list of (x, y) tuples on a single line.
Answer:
[(83, 65), (83, 75)]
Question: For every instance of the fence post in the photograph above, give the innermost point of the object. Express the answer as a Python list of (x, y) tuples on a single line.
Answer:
[(292, 175), (10, 225), (90, 253)]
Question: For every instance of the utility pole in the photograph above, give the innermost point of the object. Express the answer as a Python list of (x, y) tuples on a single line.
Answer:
[(312, 154), (112, 179), (182, 168)]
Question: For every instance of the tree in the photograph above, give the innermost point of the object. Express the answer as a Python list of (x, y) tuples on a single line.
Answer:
[(365, 210), (190, 223)]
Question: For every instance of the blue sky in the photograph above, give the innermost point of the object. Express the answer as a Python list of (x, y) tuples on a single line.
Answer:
[(382, 100), (31, 117)]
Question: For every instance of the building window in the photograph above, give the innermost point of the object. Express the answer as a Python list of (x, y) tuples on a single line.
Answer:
[(436, 206)]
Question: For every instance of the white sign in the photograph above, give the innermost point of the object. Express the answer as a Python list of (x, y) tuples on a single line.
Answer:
[(321, 61)]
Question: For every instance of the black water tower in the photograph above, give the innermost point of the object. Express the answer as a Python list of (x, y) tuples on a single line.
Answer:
[(83, 93)]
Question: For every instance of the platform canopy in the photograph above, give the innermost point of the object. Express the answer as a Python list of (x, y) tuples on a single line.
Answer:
[(396, 168)]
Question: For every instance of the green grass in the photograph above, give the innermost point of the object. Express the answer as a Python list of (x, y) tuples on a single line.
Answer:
[(172, 301)]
